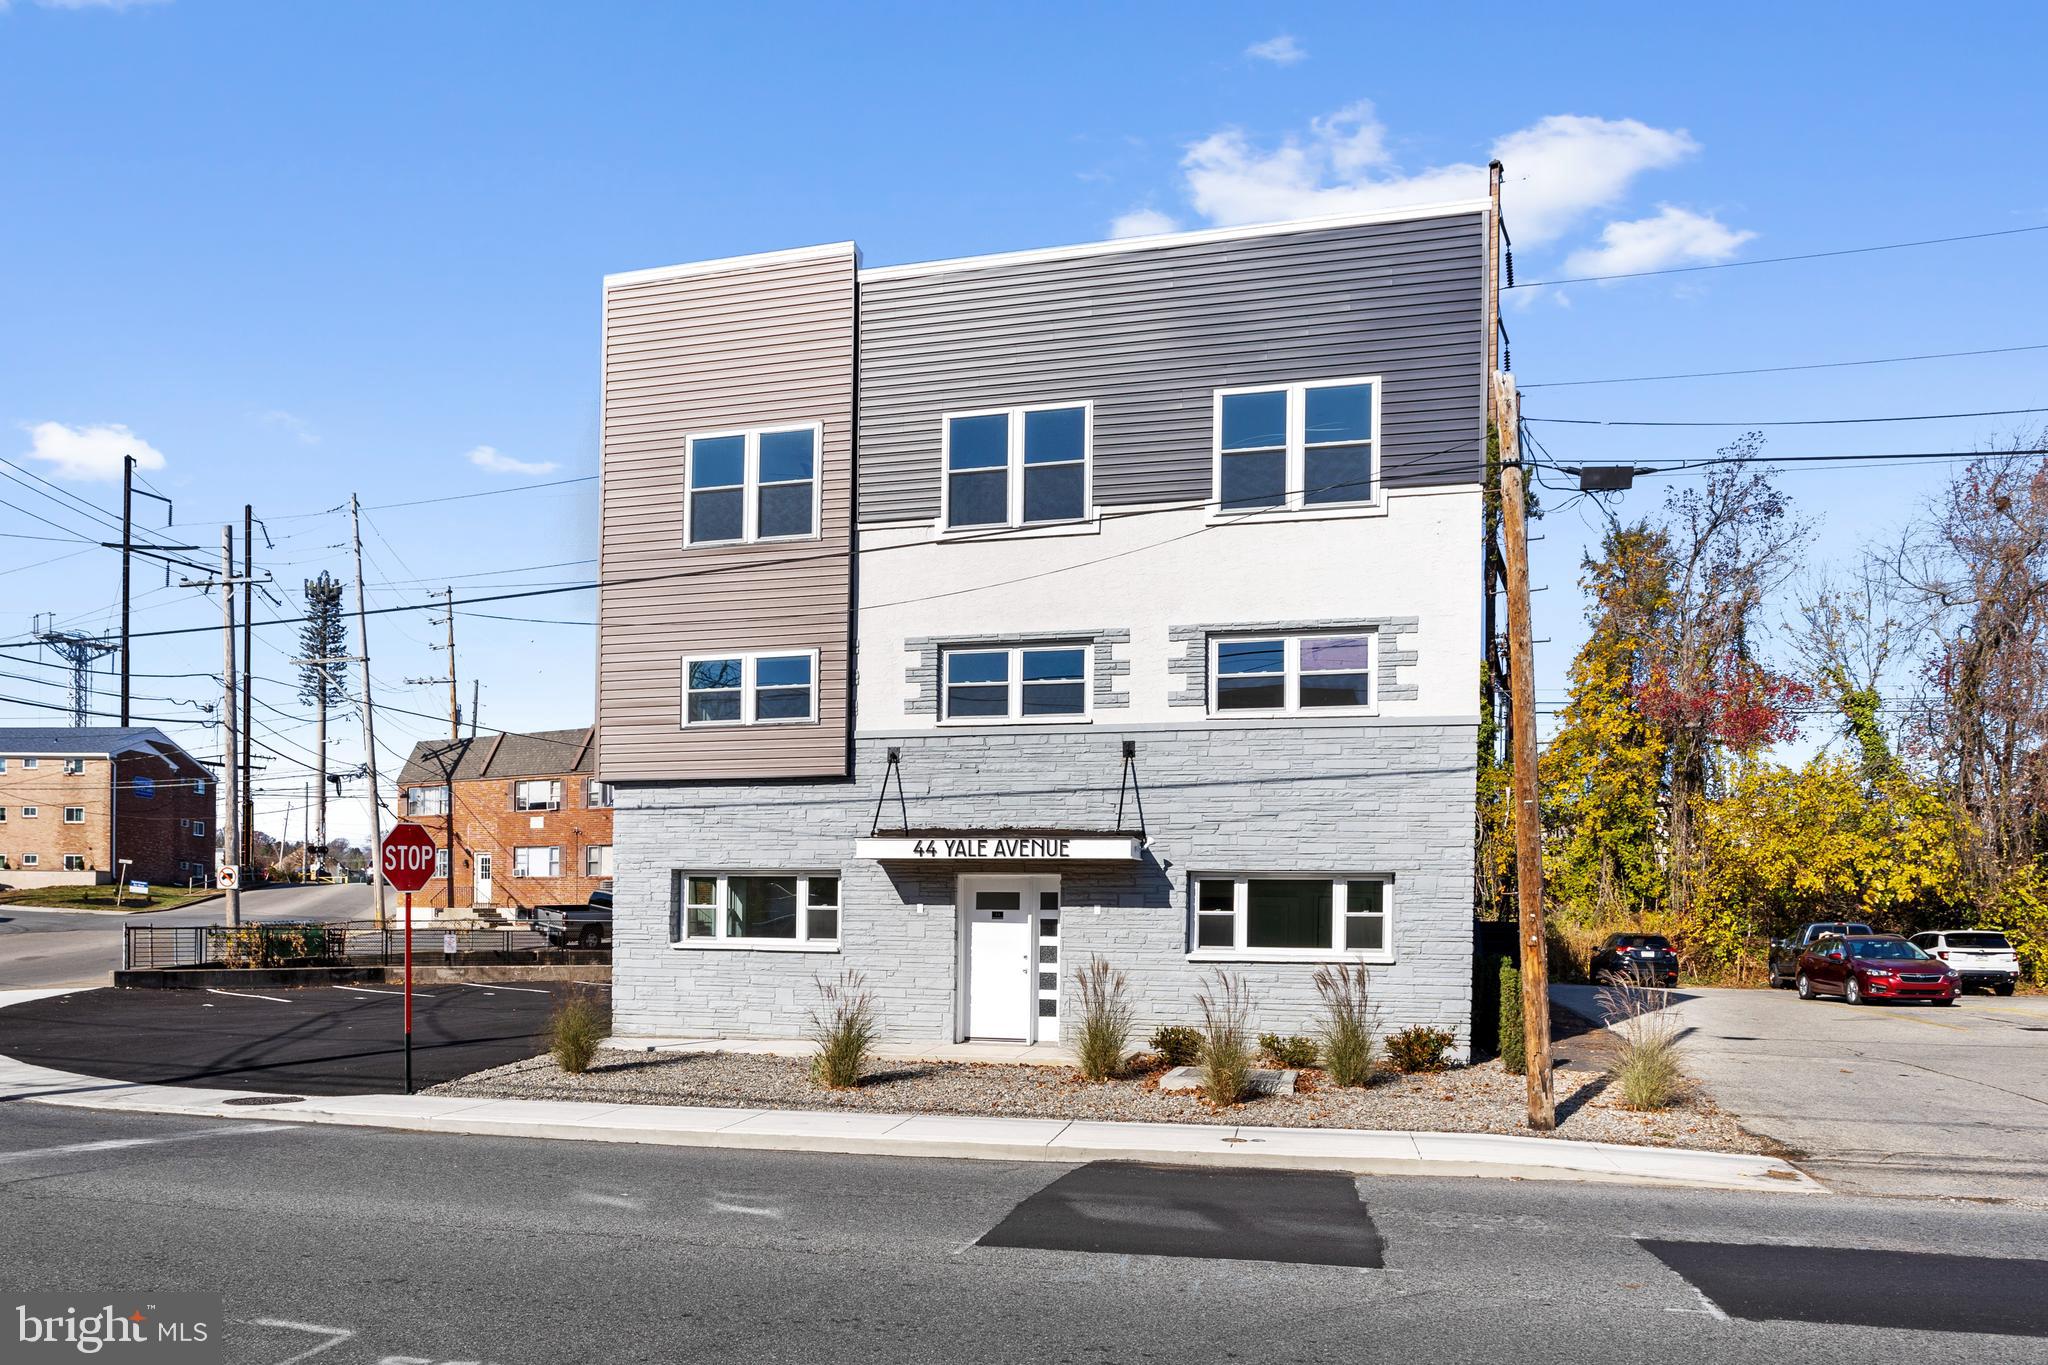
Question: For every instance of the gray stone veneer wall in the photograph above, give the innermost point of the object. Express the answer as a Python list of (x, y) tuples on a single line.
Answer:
[(1387, 797), (923, 671), (1192, 666)]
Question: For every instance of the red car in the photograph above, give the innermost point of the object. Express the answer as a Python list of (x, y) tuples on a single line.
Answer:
[(1864, 968)]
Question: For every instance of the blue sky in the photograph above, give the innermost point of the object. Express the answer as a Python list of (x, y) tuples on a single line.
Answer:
[(301, 250)]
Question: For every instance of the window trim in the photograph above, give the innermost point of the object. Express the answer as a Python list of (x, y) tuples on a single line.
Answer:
[(412, 796), (1015, 684), (750, 483), (554, 861), (442, 865), (553, 804), (589, 849), (31, 812), (81, 815), (1240, 951), (74, 767), (719, 941), (1296, 450), (29, 860), (1291, 673), (1013, 469), (80, 857), (748, 658), (590, 789)]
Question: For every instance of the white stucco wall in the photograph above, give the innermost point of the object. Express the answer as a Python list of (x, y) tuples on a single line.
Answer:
[(1417, 557)]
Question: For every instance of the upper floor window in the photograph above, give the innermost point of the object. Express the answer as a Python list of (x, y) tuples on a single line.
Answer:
[(74, 766), (199, 786), (750, 689), (1298, 445), (1025, 683), (30, 812), (752, 485), (199, 829), (426, 801), (31, 763), (1017, 467), (1284, 673), (537, 795), (597, 795), (74, 815)]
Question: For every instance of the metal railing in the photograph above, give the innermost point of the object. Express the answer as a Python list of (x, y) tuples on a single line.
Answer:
[(341, 944)]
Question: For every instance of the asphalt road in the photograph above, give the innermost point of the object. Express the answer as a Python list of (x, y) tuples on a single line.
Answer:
[(380, 1247), (1885, 1099), (83, 948), (316, 1040)]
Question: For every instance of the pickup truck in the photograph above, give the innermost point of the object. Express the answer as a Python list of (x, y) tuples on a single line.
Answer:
[(583, 926), (1786, 952)]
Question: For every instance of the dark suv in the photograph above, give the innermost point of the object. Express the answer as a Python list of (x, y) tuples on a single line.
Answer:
[(1636, 960)]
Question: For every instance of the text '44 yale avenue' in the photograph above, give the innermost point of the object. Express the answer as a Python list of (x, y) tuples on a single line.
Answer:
[(962, 622)]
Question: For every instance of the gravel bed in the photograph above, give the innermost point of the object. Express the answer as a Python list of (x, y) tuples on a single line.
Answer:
[(1474, 1099)]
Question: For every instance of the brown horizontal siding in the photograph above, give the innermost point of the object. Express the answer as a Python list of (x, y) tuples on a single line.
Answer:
[(759, 345)]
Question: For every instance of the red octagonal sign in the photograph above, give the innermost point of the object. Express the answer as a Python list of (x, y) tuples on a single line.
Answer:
[(408, 859)]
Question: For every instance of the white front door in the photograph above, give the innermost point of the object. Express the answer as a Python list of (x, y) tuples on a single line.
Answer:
[(998, 945), (481, 890)]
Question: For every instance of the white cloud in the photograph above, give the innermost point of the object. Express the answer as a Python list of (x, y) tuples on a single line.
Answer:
[(1280, 50), (1559, 171), (297, 427), (488, 458), (1672, 236), (92, 453), (1141, 223)]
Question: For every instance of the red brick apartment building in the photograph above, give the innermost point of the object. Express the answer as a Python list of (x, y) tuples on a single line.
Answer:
[(75, 802), (519, 820)]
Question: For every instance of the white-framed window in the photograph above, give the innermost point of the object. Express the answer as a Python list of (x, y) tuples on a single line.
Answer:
[(31, 763), (537, 794), (74, 815), (597, 795), (1284, 447), (441, 864), (199, 786), (770, 687), (426, 801), (1286, 915), (74, 766), (199, 829), (30, 812), (31, 859), (1025, 466), (788, 909), (1025, 682), (3, 815), (752, 485), (3, 765), (1281, 674), (74, 862), (537, 862), (597, 860)]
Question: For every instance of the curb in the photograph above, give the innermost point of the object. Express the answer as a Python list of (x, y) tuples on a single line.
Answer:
[(867, 1133), (118, 914)]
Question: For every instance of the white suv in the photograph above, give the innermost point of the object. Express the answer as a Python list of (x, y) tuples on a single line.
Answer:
[(1981, 957)]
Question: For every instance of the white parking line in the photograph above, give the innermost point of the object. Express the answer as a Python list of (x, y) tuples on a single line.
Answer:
[(417, 995), (248, 995), (120, 1144), (495, 986)]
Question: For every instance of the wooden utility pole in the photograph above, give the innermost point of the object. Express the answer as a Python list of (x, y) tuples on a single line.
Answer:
[(355, 519), (127, 548), (247, 857)]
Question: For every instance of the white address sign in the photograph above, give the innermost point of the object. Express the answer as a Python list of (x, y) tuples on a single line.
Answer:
[(1001, 848)]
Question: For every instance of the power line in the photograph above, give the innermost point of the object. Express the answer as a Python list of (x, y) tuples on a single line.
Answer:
[(1784, 369), (1779, 260), (1785, 422)]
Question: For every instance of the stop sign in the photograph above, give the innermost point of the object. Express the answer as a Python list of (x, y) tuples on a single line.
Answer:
[(408, 857)]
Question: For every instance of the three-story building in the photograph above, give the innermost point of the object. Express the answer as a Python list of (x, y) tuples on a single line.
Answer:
[(962, 622)]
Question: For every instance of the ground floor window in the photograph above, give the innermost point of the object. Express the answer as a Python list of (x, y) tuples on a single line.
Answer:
[(74, 862), (536, 862), (597, 860), (770, 908), (1281, 915), (441, 864)]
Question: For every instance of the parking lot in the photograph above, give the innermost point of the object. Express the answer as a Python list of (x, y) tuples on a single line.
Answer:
[(1890, 1099), (325, 1040)]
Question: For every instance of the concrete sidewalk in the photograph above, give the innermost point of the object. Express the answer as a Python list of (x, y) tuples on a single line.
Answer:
[(1029, 1054), (937, 1135)]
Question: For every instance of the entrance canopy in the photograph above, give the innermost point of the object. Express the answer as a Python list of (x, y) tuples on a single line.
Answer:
[(1000, 846)]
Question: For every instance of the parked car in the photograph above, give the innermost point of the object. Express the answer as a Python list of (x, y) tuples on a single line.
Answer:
[(1981, 957), (586, 926), (1786, 952), (1635, 959), (1865, 968)]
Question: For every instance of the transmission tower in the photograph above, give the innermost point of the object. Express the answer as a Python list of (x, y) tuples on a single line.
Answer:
[(79, 651)]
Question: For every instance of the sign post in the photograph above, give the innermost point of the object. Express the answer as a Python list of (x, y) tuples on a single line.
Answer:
[(407, 862)]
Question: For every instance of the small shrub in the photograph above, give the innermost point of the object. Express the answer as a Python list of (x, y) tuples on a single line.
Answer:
[(1102, 1037), (1177, 1044), (575, 1029), (843, 1027), (1646, 1071), (1226, 1007), (1295, 1051), (1419, 1048), (1349, 1041), (1513, 1047)]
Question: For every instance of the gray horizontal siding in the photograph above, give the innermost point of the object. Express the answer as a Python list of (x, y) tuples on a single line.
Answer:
[(1150, 334)]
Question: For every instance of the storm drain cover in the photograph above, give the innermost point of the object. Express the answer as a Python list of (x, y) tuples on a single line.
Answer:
[(1126, 1208), (1923, 1291)]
